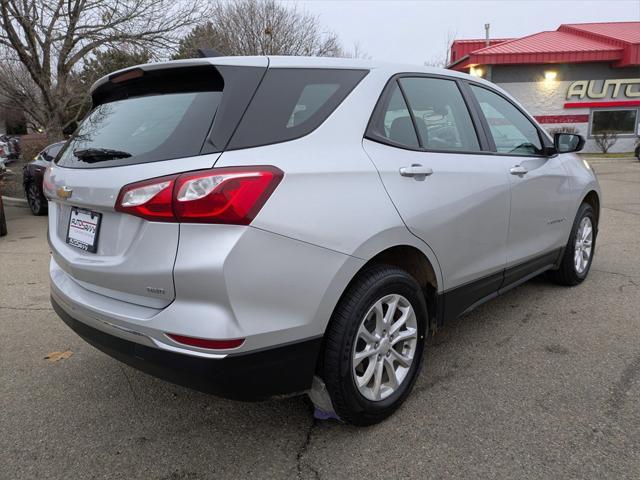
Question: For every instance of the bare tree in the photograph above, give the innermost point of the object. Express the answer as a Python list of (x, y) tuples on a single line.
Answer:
[(605, 140), (356, 52), (441, 59), (21, 91), (201, 36), (46, 42), (260, 27), (13, 118)]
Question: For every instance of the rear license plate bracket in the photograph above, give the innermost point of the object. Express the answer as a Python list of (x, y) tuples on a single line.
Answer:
[(83, 229)]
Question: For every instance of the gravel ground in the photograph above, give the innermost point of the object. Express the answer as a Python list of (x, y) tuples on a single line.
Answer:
[(543, 382)]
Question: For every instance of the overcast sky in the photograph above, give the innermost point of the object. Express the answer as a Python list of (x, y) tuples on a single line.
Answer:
[(416, 31)]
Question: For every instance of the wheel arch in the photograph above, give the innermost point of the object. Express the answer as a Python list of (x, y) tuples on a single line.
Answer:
[(410, 259), (390, 245), (414, 261), (414, 257), (592, 198)]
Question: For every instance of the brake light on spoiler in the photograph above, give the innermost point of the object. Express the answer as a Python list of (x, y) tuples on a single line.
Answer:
[(229, 195)]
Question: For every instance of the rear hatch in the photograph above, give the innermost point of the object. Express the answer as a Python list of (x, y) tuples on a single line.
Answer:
[(146, 122)]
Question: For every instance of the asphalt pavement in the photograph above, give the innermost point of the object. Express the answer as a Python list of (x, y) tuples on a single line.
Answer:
[(543, 382)]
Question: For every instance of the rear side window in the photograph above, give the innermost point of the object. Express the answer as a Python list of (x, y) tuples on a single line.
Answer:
[(291, 103), (512, 131)]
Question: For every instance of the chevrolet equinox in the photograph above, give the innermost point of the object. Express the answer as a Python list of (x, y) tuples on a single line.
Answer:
[(256, 227)]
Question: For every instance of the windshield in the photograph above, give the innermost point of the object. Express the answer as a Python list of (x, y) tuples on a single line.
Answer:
[(147, 128)]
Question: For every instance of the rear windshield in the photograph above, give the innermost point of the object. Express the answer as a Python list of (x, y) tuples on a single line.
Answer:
[(292, 102), (143, 129), (161, 114)]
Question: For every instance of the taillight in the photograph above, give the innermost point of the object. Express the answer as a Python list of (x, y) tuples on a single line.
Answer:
[(232, 195), (150, 199), (48, 188)]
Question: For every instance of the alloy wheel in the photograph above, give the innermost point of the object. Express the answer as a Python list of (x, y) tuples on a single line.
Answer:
[(385, 347), (33, 197), (583, 245)]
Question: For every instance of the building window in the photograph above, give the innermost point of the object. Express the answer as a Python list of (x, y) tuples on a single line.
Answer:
[(618, 121)]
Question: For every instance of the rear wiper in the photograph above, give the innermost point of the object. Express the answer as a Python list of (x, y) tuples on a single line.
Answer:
[(97, 154)]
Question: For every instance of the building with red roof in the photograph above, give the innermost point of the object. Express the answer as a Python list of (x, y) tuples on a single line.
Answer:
[(583, 77)]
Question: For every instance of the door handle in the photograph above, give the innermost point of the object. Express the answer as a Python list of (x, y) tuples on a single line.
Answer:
[(518, 170), (415, 170)]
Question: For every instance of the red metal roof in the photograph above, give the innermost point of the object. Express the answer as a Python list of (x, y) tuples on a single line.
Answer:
[(548, 42), (617, 42), (627, 32), (461, 48), (481, 41)]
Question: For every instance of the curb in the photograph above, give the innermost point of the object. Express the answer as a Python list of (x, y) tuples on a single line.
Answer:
[(14, 202), (596, 161)]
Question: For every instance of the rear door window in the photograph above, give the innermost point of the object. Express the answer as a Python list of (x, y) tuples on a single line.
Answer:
[(440, 114), (291, 103), (394, 123)]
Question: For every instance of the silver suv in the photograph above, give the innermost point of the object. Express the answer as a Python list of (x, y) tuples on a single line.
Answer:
[(262, 226)]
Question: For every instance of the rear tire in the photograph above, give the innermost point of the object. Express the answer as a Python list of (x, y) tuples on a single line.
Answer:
[(576, 260), (36, 200), (378, 325)]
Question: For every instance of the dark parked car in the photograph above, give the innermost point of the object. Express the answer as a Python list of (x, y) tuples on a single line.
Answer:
[(33, 173)]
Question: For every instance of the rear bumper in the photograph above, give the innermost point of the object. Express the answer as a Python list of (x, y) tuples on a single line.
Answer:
[(251, 376)]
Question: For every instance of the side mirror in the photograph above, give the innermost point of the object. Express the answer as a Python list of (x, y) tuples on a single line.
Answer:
[(568, 142)]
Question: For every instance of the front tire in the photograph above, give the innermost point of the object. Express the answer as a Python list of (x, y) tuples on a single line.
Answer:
[(578, 254), (374, 345)]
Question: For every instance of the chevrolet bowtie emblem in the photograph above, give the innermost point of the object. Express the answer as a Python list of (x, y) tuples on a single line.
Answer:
[(64, 192)]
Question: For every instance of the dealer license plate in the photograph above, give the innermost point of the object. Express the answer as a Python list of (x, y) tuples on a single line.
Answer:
[(84, 226)]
